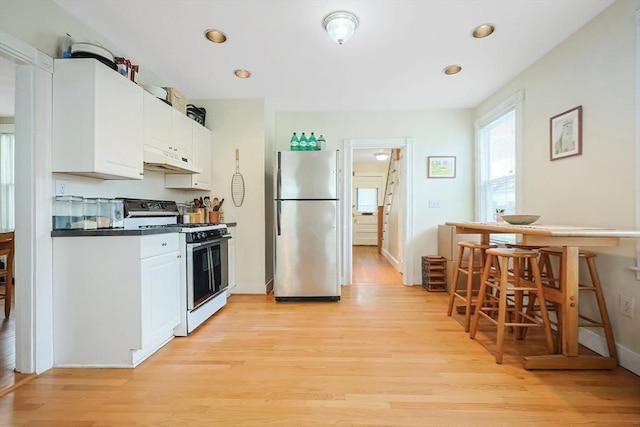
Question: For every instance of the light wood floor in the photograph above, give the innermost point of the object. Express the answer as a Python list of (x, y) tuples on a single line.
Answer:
[(385, 355)]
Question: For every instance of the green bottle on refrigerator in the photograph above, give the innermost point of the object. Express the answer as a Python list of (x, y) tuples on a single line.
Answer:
[(293, 144), (312, 143), (302, 143)]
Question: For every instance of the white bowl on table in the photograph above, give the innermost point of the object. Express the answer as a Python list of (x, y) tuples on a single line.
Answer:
[(520, 219)]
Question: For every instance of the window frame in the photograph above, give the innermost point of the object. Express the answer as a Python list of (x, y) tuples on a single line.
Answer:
[(515, 103)]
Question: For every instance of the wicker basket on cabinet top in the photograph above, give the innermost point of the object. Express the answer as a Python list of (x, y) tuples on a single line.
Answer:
[(434, 273)]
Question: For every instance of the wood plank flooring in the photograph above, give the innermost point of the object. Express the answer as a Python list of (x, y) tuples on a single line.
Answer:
[(385, 355)]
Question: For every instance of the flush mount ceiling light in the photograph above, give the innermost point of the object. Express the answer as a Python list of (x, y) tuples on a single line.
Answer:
[(483, 30), (452, 69), (381, 156), (243, 74), (340, 25), (215, 36)]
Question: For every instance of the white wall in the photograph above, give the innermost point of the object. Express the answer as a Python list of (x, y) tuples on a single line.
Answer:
[(594, 68), (436, 132), (241, 124)]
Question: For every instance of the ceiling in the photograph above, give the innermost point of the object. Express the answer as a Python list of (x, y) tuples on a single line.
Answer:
[(394, 60)]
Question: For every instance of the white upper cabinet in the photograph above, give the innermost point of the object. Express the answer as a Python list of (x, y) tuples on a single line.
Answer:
[(167, 130), (202, 146), (182, 136), (97, 121), (157, 123)]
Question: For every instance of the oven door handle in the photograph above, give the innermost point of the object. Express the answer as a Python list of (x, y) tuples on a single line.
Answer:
[(210, 242)]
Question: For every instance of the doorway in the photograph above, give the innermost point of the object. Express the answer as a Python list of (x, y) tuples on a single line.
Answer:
[(367, 196), (33, 302), (406, 163)]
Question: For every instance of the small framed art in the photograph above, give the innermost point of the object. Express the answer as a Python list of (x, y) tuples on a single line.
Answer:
[(565, 131), (441, 167)]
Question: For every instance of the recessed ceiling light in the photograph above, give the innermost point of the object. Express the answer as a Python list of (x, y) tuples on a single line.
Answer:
[(452, 69), (215, 36), (483, 30), (243, 74)]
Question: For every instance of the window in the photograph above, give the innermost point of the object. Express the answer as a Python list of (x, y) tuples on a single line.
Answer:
[(497, 134), (7, 181), (366, 200)]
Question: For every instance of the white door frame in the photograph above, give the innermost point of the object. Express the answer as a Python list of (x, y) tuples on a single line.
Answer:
[(347, 173), (33, 204)]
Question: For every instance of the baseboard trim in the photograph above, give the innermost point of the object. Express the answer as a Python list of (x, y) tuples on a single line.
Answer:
[(394, 262), (626, 358)]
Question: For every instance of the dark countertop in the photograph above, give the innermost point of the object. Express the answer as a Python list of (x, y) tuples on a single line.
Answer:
[(121, 231), (112, 232)]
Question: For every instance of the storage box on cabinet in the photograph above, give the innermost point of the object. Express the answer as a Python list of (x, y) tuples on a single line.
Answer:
[(97, 121)]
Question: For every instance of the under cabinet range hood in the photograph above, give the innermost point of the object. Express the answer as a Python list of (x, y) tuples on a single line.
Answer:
[(162, 162)]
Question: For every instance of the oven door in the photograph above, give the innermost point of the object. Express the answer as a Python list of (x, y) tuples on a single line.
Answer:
[(207, 270)]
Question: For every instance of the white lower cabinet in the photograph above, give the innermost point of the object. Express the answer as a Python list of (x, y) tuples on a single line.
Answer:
[(116, 298)]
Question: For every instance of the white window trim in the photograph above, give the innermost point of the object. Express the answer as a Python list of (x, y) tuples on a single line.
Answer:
[(513, 102), (637, 267)]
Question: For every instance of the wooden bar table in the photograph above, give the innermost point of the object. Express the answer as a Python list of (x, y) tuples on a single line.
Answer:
[(570, 239)]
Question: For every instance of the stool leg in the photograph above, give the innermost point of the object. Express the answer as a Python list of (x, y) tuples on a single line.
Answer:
[(470, 269), (502, 307), (481, 295), (602, 307), (543, 308), (454, 285)]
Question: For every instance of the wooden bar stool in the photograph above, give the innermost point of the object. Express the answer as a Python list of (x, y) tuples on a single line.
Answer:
[(475, 251), (554, 293), (507, 280)]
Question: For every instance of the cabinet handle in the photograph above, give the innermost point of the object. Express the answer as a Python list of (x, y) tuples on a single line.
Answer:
[(164, 243)]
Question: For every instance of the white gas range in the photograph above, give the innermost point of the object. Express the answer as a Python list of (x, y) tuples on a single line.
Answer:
[(204, 254)]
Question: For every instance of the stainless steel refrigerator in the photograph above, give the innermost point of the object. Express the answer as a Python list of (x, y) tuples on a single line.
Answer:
[(307, 224)]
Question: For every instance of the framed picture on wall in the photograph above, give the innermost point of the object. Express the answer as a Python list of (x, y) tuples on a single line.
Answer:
[(566, 134), (441, 167)]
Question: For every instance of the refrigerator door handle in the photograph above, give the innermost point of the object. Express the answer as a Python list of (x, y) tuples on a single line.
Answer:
[(278, 180), (278, 209)]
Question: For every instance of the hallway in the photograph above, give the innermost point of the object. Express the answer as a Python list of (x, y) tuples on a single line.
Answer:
[(371, 267)]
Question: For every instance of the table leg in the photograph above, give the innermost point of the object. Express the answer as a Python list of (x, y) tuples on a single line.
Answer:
[(569, 359)]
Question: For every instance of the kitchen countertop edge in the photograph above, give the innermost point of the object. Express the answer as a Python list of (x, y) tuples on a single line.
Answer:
[(112, 232), (122, 231)]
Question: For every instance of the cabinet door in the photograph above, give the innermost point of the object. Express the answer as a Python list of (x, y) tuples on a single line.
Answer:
[(156, 122), (160, 296), (97, 121), (118, 125), (203, 151), (181, 135)]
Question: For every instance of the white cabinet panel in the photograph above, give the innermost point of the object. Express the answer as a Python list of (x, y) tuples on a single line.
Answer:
[(116, 298), (97, 121), (157, 123), (203, 152), (181, 136), (232, 260), (160, 296)]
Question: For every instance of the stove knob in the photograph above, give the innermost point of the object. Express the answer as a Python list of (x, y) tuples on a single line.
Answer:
[(144, 205), (201, 235)]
